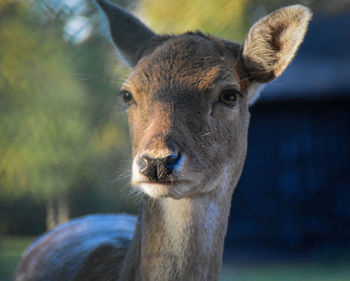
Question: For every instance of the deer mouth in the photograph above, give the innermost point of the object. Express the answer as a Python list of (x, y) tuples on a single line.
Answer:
[(163, 189), (164, 182)]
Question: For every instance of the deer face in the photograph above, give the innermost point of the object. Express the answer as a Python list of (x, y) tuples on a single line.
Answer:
[(188, 97), (188, 117)]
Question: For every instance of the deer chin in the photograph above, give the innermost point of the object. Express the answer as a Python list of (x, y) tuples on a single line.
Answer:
[(171, 189)]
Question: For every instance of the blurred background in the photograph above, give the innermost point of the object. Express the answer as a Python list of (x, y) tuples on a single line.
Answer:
[(64, 149)]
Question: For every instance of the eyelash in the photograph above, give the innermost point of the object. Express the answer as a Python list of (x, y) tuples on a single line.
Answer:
[(127, 97), (229, 97)]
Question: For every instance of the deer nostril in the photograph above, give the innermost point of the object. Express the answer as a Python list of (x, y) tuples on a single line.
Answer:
[(148, 167), (172, 161), (143, 162)]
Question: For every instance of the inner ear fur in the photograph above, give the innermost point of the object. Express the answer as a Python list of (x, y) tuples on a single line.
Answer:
[(272, 42)]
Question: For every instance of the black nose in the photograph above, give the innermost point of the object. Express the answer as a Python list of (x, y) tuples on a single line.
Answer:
[(158, 169)]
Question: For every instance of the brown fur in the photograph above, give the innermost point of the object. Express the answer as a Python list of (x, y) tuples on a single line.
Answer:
[(177, 110)]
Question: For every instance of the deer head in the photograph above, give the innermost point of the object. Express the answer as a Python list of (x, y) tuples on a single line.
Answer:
[(188, 97)]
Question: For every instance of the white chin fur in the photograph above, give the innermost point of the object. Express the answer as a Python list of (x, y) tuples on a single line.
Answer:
[(155, 190)]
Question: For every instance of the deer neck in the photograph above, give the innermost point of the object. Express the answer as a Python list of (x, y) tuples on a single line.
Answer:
[(180, 239)]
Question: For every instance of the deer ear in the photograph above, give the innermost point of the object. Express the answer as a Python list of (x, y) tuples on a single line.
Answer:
[(272, 42), (129, 34)]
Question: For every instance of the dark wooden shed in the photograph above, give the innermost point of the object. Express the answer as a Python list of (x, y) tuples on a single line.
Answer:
[(294, 194)]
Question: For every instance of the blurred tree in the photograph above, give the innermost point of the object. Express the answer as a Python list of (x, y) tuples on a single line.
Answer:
[(43, 128), (59, 138), (222, 17)]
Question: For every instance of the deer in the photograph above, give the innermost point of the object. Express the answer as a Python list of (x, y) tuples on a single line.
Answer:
[(187, 103)]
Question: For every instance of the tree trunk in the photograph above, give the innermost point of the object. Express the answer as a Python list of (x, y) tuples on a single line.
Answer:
[(57, 211)]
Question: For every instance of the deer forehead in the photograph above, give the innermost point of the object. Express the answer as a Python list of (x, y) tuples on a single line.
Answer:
[(183, 65)]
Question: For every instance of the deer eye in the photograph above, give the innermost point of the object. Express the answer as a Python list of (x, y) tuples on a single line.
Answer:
[(127, 97), (229, 96)]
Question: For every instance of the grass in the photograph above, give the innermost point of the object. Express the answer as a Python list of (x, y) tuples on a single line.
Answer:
[(286, 272), (11, 249)]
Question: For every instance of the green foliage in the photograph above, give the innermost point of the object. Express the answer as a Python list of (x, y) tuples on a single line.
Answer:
[(225, 18), (56, 130), (41, 110), (222, 17), (60, 129)]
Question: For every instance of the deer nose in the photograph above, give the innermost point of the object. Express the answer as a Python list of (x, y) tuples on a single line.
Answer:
[(158, 169)]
